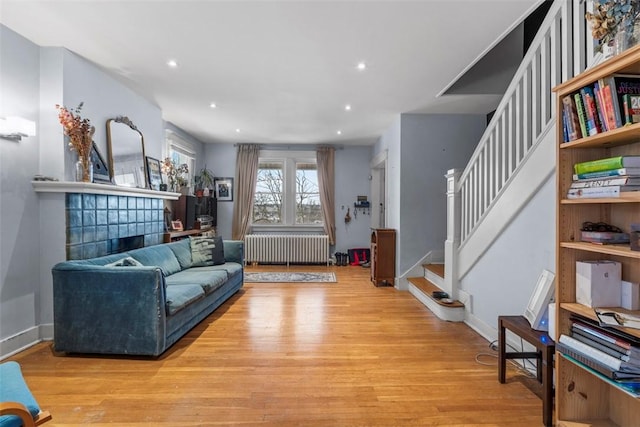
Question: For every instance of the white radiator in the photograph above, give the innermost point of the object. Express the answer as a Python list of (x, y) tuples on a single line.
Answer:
[(286, 248)]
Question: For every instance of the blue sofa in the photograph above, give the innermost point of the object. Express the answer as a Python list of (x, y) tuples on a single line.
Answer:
[(144, 306)]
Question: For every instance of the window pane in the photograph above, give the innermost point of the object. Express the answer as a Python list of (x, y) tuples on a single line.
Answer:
[(267, 204), (307, 194)]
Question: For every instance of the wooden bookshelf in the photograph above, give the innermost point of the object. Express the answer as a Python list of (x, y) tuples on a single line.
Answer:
[(582, 397)]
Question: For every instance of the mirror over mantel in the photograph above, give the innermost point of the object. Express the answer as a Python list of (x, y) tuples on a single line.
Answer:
[(125, 143)]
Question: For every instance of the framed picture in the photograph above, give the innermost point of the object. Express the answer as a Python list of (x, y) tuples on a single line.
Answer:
[(223, 188), (176, 225), (154, 173), (100, 167)]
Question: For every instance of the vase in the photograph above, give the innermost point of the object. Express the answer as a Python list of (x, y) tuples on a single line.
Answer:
[(84, 170)]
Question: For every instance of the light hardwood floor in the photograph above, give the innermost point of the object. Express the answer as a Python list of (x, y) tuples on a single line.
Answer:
[(342, 354)]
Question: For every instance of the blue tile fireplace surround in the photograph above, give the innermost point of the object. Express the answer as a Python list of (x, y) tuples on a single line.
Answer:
[(101, 224)]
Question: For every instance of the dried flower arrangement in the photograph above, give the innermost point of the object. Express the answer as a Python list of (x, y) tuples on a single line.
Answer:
[(80, 133), (611, 16)]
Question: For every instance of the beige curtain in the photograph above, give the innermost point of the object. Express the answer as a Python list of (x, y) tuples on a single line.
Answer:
[(246, 174), (325, 158)]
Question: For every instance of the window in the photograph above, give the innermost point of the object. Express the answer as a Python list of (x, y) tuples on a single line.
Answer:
[(181, 151), (287, 192)]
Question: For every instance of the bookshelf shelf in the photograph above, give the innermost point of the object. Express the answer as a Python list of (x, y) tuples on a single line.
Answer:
[(584, 397), (619, 250)]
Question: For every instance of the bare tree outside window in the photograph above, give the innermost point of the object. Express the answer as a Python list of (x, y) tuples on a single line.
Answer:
[(307, 194), (267, 205)]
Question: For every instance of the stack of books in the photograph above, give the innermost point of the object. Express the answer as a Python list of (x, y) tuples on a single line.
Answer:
[(608, 104), (610, 353), (607, 177)]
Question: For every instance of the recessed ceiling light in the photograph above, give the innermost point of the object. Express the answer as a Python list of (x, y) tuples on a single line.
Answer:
[(213, 105), (347, 107), (172, 63), (339, 132), (237, 130), (361, 66)]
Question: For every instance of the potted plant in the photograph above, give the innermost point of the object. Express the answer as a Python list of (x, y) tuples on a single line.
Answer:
[(204, 180)]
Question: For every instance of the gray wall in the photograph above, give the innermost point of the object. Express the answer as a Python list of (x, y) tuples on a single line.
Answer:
[(421, 148), (503, 279), (19, 236)]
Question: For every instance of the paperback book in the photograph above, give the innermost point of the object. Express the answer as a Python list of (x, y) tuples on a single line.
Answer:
[(600, 192), (606, 164), (633, 172), (603, 182)]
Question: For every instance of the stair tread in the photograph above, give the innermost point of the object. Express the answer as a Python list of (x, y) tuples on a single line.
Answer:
[(427, 288), (437, 269)]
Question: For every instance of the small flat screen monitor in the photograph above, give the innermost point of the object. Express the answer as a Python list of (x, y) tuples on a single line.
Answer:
[(537, 312)]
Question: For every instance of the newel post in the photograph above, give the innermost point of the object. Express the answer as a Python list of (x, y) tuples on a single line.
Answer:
[(453, 233)]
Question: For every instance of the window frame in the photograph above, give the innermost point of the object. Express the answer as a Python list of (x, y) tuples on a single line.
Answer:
[(289, 160)]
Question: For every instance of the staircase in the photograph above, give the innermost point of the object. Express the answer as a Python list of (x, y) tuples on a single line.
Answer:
[(514, 157), (423, 287)]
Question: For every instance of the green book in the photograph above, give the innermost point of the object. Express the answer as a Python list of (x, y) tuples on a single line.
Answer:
[(607, 164)]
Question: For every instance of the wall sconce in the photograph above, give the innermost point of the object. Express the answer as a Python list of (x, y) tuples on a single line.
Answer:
[(15, 128)]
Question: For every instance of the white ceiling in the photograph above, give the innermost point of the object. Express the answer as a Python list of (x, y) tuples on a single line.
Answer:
[(280, 71)]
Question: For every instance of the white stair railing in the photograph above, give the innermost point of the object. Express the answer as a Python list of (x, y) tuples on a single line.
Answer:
[(520, 122)]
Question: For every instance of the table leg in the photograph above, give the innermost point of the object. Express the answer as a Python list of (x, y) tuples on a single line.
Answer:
[(547, 386), (502, 347)]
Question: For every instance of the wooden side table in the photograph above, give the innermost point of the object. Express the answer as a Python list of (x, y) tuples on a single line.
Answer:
[(545, 348)]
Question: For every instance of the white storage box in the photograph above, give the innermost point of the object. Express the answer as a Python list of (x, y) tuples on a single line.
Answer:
[(598, 283), (630, 295)]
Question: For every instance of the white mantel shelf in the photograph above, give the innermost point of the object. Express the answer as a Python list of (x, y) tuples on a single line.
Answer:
[(90, 188)]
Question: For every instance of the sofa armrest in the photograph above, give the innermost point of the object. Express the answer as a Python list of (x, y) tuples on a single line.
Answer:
[(234, 251), (117, 310)]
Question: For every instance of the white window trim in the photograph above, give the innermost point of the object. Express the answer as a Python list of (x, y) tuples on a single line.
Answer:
[(289, 159)]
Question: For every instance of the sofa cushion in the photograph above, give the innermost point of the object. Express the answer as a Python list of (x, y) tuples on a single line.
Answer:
[(125, 262), (182, 251), (180, 296), (158, 255), (231, 268), (206, 251), (208, 280)]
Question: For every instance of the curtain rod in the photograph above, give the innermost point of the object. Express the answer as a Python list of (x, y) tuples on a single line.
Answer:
[(293, 146)]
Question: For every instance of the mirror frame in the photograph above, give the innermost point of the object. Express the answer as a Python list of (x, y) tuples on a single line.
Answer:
[(126, 121)]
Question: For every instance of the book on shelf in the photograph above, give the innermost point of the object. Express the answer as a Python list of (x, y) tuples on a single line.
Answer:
[(620, 85), (631, 106), (599, 100), (606, 164), (603, 182), (600, 192), (582, 114), (585, 338), (611, 362), (608, 100), (596, 364), (572, 122), (597, 333), (604, 237), (633, 172), (618, 317), (594, 126)]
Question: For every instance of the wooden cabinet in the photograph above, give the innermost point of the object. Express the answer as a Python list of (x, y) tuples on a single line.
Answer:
[(583, 397), (383, 256)]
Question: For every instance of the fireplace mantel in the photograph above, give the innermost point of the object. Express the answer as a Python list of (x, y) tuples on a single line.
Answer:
[(90, 188)]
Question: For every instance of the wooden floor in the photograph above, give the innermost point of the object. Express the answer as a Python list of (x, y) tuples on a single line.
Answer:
[(333, 354)]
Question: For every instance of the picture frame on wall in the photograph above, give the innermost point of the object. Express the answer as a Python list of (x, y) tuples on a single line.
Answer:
[(223, 189), (100, 168), (154, 173)]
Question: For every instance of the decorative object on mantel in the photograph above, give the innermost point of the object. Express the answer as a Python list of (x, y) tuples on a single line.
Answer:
[(175, 174), (80, 133), (613, 25)]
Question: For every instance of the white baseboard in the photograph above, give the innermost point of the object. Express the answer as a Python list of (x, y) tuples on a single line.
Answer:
[(25, 339)]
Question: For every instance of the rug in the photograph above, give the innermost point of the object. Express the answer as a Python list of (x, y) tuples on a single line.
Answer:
[(289, 277)]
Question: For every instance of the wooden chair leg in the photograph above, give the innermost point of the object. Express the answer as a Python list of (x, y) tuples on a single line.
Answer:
[(18, 409)]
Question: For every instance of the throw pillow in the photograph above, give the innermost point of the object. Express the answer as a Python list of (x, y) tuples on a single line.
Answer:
[(206, 251), (125, 262)]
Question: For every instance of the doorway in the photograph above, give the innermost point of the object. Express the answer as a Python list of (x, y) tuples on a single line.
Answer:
[(379, 191)]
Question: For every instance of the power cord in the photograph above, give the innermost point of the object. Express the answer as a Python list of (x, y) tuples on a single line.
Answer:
[(522, 369)]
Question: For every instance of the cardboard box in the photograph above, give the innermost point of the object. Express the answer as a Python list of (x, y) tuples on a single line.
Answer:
[(598, 283), (630, 295)]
